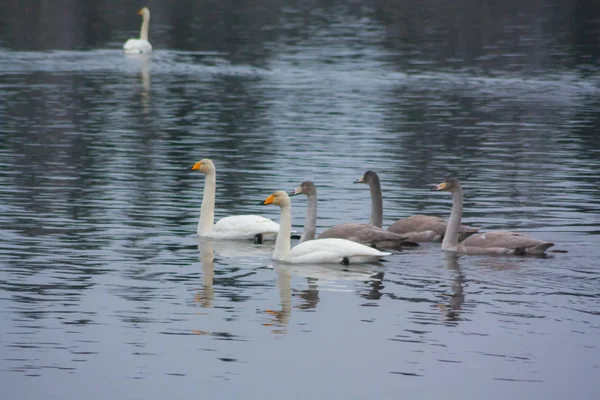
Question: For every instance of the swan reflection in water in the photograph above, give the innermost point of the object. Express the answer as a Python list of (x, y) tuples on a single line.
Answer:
[(207, 258), (452, 307), (208, 248), (143, 61), (325, 277)]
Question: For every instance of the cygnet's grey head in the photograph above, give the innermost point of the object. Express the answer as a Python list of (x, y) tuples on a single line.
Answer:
[(368, 178), (448, 185), (306, 188)]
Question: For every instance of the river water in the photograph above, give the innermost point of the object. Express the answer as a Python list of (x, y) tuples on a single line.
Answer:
[(105, 291)]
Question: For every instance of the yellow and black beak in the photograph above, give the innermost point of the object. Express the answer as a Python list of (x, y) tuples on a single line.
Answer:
[(360, 180), (196, 166), (296, 191), (141, 12), (441, 186), (268, 200)]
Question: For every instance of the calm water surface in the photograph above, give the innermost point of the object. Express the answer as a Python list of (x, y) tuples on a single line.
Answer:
[(105, 292)]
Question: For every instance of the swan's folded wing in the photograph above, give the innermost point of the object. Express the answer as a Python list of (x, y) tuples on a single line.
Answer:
[(137, 46), (361, 233), (366, 234), (419, 223), (353, 232), (319, 256), (426, 228), (502, 239), (244, 226)]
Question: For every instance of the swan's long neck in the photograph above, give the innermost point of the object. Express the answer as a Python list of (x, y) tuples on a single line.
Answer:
[(145, 25), (282, 244), (451, 237), (310, 221), (207, 212), (376, 203)]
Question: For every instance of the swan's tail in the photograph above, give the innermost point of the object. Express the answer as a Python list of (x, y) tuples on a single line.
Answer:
[(539, 249)]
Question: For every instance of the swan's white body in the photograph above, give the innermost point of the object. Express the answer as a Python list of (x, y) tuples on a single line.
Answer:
[(236, 227), (499, 242), (141, 45), (242, 227), (136, 46), (335, 251), (322, 251)]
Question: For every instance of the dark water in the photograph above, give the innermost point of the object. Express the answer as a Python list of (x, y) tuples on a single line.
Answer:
[(105, 292)]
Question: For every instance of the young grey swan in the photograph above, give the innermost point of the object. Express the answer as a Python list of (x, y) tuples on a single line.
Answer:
[(360, 233), (417, 228), (484, 243)]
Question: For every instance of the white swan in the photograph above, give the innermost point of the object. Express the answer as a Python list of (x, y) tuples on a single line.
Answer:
[(484, 243), (360, 233), (141, 45), (234, 227), (321, 251), (417, 228)]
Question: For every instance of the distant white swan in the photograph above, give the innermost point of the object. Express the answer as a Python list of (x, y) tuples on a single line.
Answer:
[(234, 227), (322, 251), (484, 243), (141, 45)]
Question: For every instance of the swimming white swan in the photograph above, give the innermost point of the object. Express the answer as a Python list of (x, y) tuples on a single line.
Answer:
[(417, 228), (141, 45), (361, 233), (484, 243), (234, 227), (315, 251)]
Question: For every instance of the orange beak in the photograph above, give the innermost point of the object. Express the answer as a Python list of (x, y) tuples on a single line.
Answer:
[(269, 200)]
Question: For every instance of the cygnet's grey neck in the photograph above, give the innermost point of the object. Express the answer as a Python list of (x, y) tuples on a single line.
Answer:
[(376, 201), (310, 221)]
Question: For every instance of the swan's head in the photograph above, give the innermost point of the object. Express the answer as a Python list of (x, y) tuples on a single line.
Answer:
[(307, 188), (368, 177), (448, 185), (144, 12), (279, 198), (205, 166)]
